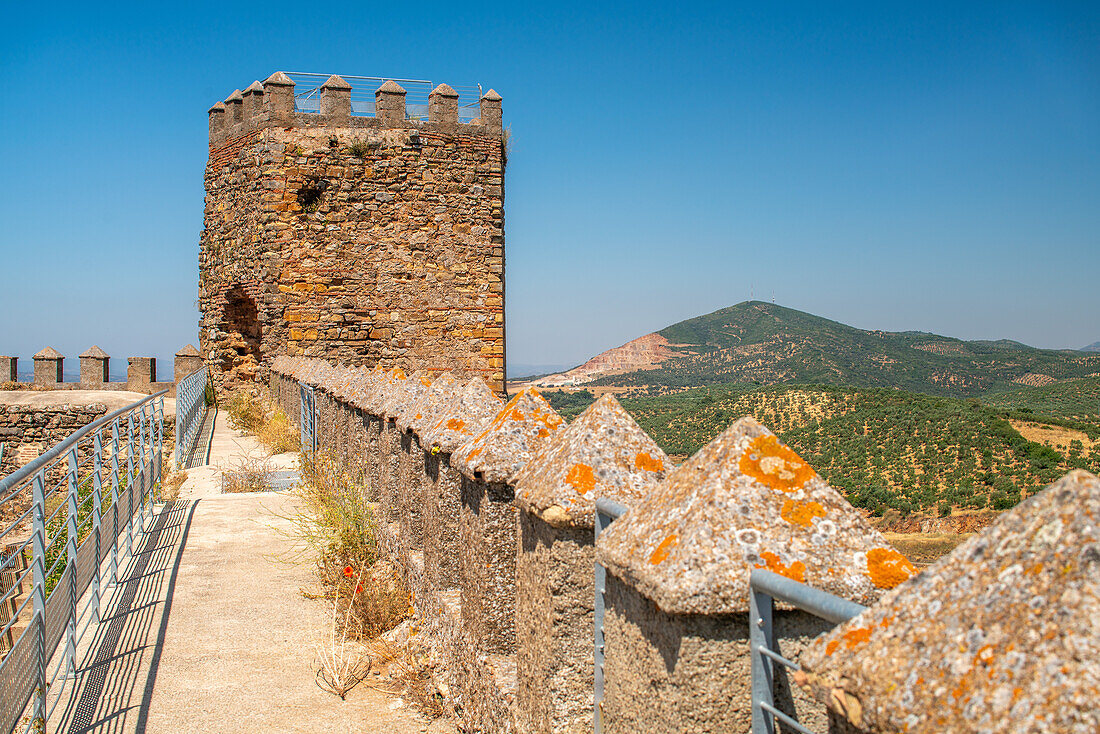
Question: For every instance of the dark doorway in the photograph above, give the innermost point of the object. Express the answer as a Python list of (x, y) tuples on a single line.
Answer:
[(241, 323)]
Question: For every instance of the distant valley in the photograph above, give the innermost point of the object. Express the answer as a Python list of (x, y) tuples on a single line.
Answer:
[(911, 423)]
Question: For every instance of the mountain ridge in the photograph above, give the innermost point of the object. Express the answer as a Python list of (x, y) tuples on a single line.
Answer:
[(764, 343)]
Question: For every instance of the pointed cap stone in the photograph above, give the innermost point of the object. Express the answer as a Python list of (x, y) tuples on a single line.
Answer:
[(510, 439), (403, 391), (444, 90), (363, 383), (422, 412), (279, 79), (746, 501), (191, 351), (603, 453), (391, 87), (335, 82), (217, 107), (492, 96), (95, 352), (235, 97), (1002, 634), (254, 88), (49, 353), (464, 417)]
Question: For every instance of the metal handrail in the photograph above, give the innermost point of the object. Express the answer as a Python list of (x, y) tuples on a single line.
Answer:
[(190, 413), (103, 498), (765, 588), (30, 468)]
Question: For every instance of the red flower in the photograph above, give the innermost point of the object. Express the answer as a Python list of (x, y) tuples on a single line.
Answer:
[(348, 572), (358, 588)]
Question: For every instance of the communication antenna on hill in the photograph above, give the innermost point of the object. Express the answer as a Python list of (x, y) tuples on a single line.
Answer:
[(752, 292), (773, 297)]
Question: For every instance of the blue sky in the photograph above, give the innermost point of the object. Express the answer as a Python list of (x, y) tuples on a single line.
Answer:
[(894, 166)]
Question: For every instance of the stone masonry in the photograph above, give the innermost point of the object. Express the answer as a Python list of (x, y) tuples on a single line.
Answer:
[(364, 240)]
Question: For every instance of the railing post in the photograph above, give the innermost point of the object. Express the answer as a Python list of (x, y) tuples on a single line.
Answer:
[(97, 512), (71, 530), (604, 518), (114, 500), (130, 478), (761, 606), (159, 412), (39, 591)]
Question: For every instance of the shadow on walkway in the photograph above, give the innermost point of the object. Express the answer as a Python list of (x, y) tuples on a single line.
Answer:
[(128, 640)]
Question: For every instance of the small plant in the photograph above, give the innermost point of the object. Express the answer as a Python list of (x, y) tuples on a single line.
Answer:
[(363, 148), (248, 474), (341, 662)]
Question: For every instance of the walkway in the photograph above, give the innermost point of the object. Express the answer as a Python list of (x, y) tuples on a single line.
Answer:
[(208, 631)]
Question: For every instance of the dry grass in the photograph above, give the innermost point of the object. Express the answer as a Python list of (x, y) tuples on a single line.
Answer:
[(250, 473), (341, 664), (408, 673), (256, 413), (340, 528), (923, 549), (170, 485)]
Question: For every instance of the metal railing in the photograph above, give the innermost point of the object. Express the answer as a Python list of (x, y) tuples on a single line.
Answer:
[(307, 420), (307, 95), (607, 511), (765, 588), (190, 414), (76, 510)]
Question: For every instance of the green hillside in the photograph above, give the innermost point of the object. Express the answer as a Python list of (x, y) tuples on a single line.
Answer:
[(883, 448), (762, 343), (1075, 400)]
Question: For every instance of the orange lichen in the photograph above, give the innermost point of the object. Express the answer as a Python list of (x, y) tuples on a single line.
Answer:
[(644, 462), (773, 464), (398, 373), (418, 417), (581, 477), (856, 637), (475, 452), (454, 424), (888, 568), (801, 513), (663, 549), (795, 571), (832, 646)]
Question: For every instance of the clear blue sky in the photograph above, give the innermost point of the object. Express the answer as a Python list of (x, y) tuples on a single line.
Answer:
[(924, 166)]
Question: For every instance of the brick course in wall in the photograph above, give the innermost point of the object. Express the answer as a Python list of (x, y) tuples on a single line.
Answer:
[(363, 240)]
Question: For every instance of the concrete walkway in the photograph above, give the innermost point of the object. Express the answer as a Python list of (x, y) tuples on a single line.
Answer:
[(207, 631)]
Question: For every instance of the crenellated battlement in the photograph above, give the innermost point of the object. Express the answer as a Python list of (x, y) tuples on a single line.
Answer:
[(310, 100)]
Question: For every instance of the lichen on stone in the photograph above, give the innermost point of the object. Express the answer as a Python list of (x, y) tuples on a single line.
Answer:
[(433, 399), (603, 453), (1002, 634), (500, 450), (744, 501), (465, 416)]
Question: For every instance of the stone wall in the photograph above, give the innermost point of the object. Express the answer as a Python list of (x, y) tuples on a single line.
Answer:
[(366, 240), (27, 430), (95, 372), (488, 508)]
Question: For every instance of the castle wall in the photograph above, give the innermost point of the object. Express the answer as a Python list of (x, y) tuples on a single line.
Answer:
[(365, 240)]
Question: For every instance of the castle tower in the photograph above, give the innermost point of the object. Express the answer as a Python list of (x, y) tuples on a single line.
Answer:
[(343, 221)]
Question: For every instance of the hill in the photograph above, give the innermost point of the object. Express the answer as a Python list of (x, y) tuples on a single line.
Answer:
[(1094, 347), (886, 449), (757, 342)]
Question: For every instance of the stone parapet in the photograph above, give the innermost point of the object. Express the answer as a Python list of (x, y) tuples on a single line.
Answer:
[(271, 103), (509, 608)]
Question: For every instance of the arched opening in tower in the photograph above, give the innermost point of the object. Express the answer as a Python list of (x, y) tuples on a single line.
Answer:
[(241, 324)]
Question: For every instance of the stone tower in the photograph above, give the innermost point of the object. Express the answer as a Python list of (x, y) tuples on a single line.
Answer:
[(363, 239)]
